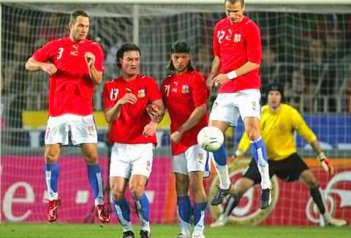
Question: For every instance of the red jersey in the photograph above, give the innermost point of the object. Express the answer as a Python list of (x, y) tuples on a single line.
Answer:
[(181, 95), (71, 88), (129, 126), (235, 44)]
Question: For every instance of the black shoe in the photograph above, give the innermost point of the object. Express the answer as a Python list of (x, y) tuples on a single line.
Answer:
[(265, 198), (128, 234), (220, 195), (145, 234)]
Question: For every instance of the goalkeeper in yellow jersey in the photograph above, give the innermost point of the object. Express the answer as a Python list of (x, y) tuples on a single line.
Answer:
[(278, 123)]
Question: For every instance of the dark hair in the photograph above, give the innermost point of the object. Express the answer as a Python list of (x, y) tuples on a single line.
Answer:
[(235, 1), (124, 48), (78, 13), (180, 47), (275, 87)]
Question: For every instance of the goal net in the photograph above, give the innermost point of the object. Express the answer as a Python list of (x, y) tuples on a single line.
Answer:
[(305, 47)]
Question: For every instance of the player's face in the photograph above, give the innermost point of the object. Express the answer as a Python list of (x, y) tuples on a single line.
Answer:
[(234, 11), (130, 63), (79, 28), (274, 99), (180, 61)]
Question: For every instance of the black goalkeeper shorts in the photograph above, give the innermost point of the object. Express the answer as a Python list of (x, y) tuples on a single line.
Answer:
[(288, 169)]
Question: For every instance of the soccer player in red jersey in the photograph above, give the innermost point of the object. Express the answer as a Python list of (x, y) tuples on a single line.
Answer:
[(132, 133), (184, 93), (74, 65), (235, 70)]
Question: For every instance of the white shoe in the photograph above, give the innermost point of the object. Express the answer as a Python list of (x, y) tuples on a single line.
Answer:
[(197, 234), (221, 221), (181, 235), (337, 222)]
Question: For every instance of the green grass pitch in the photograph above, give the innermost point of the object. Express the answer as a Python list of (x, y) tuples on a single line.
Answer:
[(63, 230)]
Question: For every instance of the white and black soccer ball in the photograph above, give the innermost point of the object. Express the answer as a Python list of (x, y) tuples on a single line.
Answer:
[(210, 138)]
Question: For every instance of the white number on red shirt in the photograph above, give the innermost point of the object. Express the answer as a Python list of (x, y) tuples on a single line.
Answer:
[(167, 87), (114, 94), (60, 51), (220, 36)]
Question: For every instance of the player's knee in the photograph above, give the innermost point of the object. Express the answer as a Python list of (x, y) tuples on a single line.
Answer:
[(253, 134), (51, 157), (91, 158), (195, 185), (242, 186), (137, 190), (199, 194), (181, 190), (309, 179), (117, 194), (312, 183), (90, 154)]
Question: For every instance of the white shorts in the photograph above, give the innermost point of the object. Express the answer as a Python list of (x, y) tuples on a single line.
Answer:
[(131, 159), (229, 106), (193, 159), (81, 128)]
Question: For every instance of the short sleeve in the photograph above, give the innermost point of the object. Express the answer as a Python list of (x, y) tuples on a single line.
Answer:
[(45, 53), (215, 43), (199, 90), (109, 95), (99, 57), (253, 39)]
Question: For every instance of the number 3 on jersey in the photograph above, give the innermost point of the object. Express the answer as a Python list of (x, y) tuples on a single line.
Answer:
[(60, 51)]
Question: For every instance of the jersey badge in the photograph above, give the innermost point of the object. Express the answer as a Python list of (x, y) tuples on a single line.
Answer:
[(185, 89), (141, 93), (237, 37)]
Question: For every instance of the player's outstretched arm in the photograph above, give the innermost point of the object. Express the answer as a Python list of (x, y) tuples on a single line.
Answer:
[(33, 65)]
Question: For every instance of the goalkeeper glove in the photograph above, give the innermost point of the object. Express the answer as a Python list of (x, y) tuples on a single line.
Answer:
[(325, 162)]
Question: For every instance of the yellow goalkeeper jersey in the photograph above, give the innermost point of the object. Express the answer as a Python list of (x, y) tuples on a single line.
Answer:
[(277, 131)]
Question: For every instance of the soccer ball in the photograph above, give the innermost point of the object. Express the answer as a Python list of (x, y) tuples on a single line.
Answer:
[(210, 138)]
